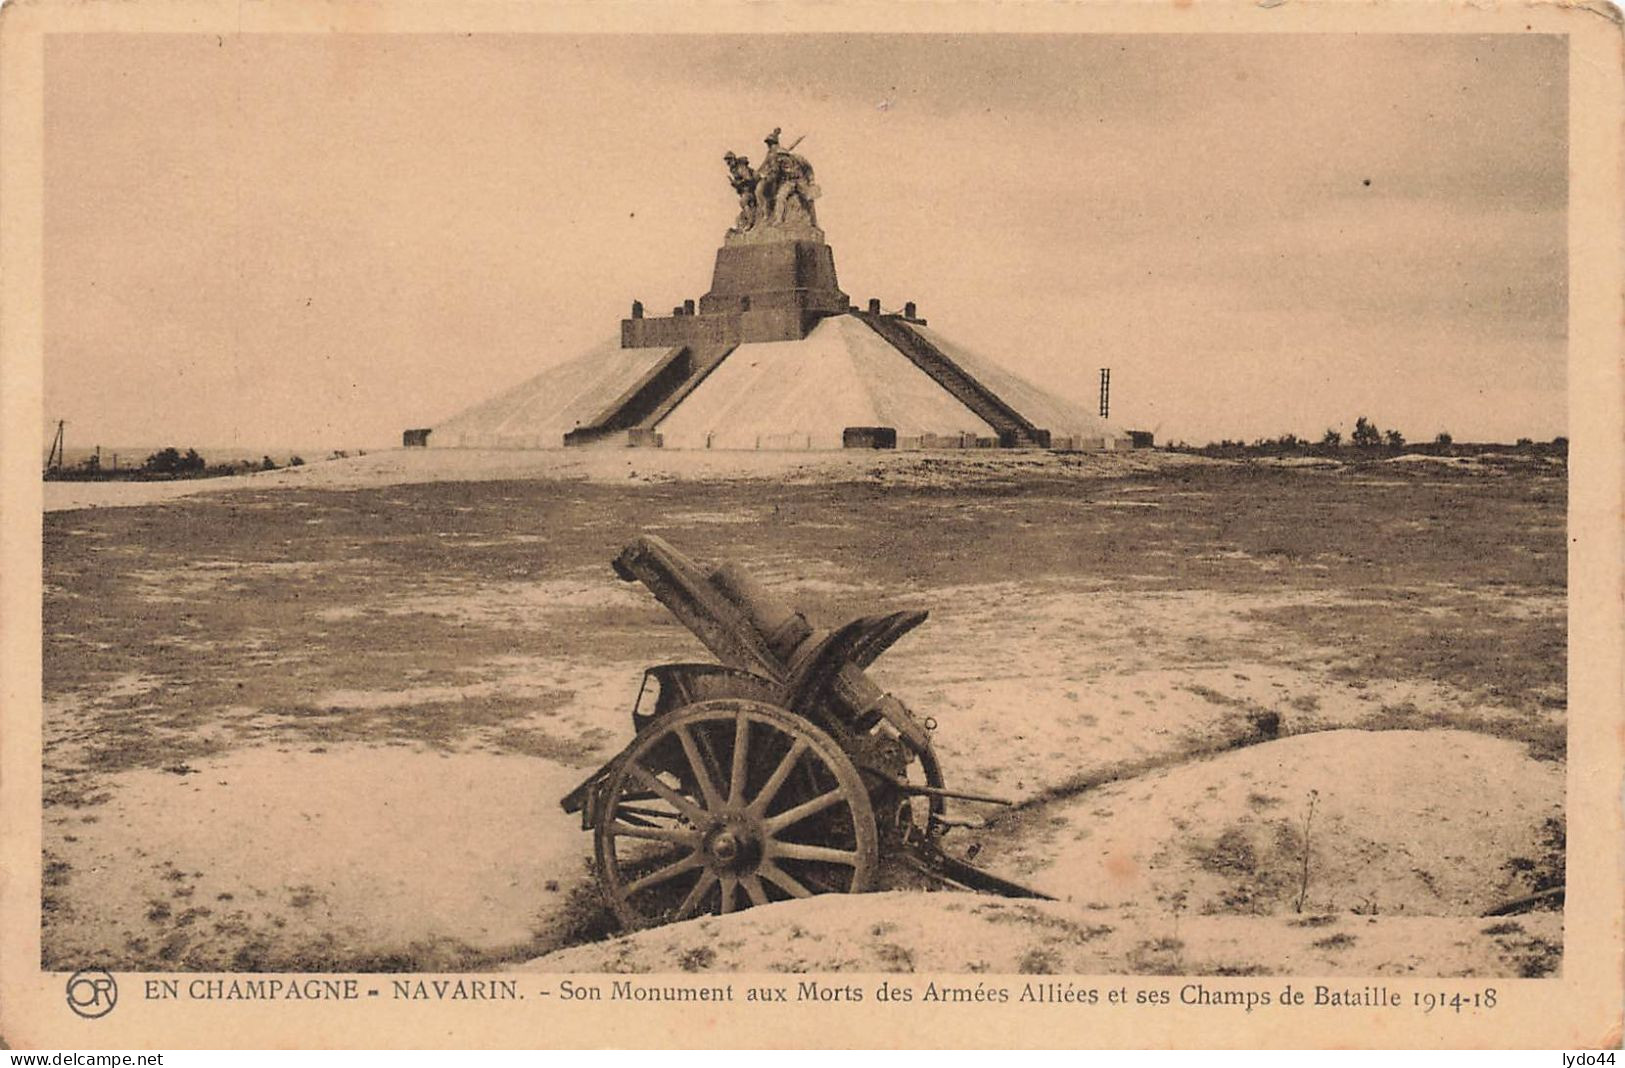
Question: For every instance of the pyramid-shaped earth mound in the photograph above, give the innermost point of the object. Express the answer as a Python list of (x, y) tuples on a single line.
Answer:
[(774, 357)]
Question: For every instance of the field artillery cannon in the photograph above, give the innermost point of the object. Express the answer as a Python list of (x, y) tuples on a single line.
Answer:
[(781, 772)]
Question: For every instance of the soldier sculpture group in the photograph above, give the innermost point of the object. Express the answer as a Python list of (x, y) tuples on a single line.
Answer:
[(779, 193)]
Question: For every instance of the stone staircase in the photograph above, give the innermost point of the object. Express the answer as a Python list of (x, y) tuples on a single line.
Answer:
[(631, 417), (1013, 430)]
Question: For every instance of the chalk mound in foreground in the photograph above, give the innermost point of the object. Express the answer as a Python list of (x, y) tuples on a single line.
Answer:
[(1387, 823), (960, 934)]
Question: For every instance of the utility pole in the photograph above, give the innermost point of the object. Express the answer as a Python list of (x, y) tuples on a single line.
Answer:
[(1105, 392), (55, 459)]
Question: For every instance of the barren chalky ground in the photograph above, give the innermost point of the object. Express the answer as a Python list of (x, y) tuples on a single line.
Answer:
[(1261, 718)]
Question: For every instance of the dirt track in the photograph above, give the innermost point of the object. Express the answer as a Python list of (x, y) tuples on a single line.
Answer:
[(321, 719)]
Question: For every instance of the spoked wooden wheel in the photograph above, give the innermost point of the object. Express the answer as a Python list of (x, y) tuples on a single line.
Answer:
[(727, 804)]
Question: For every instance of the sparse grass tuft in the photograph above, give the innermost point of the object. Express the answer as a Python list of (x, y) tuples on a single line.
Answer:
[(895, 958), (696, 959), (1039, 962)]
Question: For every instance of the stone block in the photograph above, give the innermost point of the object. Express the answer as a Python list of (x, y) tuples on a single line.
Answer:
[(760, 291), (668, 332), (869, 437), (799, 274)]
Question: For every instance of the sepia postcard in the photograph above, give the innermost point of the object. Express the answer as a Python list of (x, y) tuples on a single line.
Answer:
[(853, 524)]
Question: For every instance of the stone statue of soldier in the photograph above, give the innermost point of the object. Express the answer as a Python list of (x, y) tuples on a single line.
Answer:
[(767, 194), (767, 182), (785, 178), (795, 187), (744, 180)]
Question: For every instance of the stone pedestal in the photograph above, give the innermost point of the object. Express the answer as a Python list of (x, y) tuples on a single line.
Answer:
[(784, 274), (762, 289)]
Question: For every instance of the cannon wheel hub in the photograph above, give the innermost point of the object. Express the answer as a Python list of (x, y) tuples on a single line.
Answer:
[(726, 804), (735, 846)]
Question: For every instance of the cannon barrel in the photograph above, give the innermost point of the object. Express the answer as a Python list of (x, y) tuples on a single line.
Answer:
[(750, 628)]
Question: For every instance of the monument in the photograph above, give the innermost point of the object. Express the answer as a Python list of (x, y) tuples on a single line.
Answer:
[(774, 276), (775, 356)]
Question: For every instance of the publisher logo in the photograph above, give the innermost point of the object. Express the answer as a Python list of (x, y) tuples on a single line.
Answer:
[(92, 993)]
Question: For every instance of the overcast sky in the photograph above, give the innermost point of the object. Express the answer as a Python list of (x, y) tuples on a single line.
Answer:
[(321, 240)]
